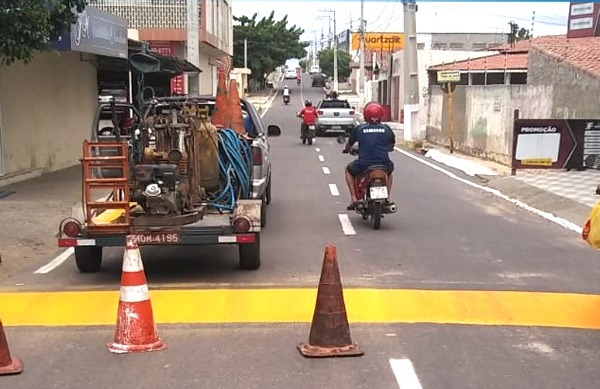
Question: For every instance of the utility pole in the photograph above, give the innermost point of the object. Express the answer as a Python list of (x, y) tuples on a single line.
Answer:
[(411, 76), (361, 69), (193, 43), (335, 56), (245, 53)]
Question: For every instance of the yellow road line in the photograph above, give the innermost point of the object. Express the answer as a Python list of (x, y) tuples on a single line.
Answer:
[(297, 305)]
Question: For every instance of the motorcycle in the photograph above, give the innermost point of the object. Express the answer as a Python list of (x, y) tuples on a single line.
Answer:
[(298, 81), (286, 99), (371, 189), (307, 131)]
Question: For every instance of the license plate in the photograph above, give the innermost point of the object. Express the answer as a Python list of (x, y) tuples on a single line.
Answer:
[(157, 237), (311, 127), (378, 192), (336, 127)]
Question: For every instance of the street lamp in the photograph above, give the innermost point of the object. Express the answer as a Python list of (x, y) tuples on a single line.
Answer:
[(335, 58)]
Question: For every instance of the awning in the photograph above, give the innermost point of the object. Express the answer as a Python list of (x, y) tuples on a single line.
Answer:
[(172, 65)]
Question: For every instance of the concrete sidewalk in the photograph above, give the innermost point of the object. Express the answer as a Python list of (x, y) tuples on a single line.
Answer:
[(31, 212)]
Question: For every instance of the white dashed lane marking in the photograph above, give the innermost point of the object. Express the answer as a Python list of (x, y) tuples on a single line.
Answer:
[(321, 158), (346, 224), (326, 170), (334, 190), (405, 374)]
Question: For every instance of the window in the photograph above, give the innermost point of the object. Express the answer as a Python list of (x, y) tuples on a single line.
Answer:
[(518, 78), (495, 79), (439, 46), (456, 46), (420, 46), (479, 46)]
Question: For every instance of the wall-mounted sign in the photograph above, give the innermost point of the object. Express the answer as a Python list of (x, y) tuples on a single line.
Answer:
[(554, 143), (380, 41), (445, 76)]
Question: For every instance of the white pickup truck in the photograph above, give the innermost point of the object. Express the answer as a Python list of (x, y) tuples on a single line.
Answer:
[(335, 115)]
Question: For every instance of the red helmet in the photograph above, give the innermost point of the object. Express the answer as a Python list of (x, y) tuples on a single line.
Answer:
[(373, 112)]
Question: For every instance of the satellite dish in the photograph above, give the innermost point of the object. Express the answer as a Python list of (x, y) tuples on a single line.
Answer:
[(144, 63)]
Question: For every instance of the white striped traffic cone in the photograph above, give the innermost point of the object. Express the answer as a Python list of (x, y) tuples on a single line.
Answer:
[(136, 331)]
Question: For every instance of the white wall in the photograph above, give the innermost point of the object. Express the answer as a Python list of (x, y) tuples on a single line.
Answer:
[(47, 111)]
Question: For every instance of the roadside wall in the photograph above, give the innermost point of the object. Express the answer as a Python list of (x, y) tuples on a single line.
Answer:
[(576, 92), (483, 116), (47, 108)]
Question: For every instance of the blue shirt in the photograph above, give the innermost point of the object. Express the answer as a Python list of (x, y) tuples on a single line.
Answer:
[(374, 142)]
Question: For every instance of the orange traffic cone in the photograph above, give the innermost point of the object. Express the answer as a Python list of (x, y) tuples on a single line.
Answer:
[(330, 332), (8, 365), (219, 116), (136, 331), (236, 120)]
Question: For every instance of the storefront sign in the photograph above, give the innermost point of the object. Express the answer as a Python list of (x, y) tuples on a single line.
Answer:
[(558, 144), (380, 41), (584, 19), (177, 87), (95, 32), (164, 48)]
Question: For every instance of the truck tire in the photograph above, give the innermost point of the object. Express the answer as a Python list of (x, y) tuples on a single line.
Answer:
[(250, 254), (88, 258), (268, 191), (263, 211)]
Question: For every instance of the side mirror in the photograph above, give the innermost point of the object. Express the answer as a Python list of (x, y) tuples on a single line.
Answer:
[(273, 130), (341, 139), (298, 114)]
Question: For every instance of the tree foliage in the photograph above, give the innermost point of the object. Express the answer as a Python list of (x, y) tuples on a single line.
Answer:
[(29, 26), (270, 43), (326, 62), (518, 34)]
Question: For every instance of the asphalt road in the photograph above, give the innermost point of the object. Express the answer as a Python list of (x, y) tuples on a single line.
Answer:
[(446, 236)]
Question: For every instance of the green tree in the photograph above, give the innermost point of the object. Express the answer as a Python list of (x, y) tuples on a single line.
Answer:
[(303, 64), (326, 62), (270, 44), (518, 34), (29, 26)]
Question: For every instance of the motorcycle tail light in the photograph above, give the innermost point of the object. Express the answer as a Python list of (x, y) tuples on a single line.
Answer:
[(257, 159), (241, 225)]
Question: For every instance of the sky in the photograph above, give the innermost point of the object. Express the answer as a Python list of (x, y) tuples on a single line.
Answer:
[(381, 15)]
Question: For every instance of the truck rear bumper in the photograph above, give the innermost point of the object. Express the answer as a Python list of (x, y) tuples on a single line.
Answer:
[(165, 238)]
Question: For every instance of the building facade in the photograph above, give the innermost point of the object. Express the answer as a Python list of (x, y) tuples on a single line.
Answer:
[(163, 23)]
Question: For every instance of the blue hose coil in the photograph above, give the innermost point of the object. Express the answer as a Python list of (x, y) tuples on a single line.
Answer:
[(235, 167)]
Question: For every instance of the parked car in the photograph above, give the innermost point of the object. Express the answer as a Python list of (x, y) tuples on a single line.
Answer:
[(335, 115)]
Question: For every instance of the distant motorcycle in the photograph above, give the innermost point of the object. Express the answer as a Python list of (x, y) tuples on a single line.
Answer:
[(371, 189), (286, 99), (298, 81)]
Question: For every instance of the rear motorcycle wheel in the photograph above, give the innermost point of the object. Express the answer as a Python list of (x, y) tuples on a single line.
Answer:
[(376, 214)]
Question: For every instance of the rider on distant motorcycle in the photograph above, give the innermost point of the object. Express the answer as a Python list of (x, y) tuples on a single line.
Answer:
[(308, 115), (375, 141)]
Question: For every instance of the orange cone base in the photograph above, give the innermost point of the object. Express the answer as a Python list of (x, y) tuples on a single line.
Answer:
[(118, 348), (351, 350), (15, 367)]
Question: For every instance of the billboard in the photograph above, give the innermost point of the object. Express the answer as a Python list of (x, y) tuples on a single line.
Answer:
[(583, 19), (379, 41), (556, 144)]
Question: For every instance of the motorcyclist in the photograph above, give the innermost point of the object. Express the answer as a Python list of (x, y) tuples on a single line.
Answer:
[(308, 115), (375, 141), (286, 93)]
